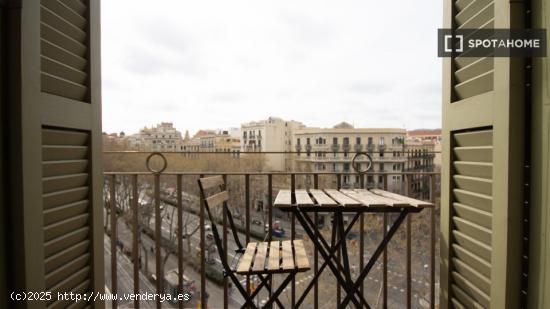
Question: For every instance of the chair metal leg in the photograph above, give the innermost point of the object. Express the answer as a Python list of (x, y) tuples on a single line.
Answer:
[(268, 285), (279, 290)]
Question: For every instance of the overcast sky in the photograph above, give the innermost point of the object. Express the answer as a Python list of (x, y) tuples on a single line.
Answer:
[(215, 64)]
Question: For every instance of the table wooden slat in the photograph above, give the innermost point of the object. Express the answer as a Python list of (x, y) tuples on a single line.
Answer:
[(404, 199), (274, 256), (302, 198), (259, 260), (288, 258), (283, 198), (302, 262), (322, 198), (367, 200), (341, 198), (379, 199), (246, 259)]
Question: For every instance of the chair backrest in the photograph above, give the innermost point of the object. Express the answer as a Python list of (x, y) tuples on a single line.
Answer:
[(207, 184), (216, 198)]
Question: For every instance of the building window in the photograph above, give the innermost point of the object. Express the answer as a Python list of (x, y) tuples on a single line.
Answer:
[(307, 141), (382, 140), (335, 140), (298, 141), (346, 167), (369, 141), (358, 140), (346, 141)]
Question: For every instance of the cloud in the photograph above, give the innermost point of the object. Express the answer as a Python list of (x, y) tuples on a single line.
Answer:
[(215, 64)]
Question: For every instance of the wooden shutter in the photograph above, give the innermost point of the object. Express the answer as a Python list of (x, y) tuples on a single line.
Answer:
[(66, 204), (57, 133), (482, 166), (473, 75), (471, 218), (64, 48)]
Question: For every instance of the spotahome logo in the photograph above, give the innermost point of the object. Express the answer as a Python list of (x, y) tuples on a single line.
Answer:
[(492, 43)]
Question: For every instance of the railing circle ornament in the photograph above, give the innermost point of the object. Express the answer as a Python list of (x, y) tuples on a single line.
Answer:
[(164, 163), (356, 166)]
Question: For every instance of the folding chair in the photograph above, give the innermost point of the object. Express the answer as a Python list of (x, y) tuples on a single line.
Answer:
[(262, 259)]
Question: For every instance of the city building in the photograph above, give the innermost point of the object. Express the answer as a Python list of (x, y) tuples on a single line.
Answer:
[(270, 135), (221, 141), (420, 155), (332, 149), (432, 135), (162, 137)]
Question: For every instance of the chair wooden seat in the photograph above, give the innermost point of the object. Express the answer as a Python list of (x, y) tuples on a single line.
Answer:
[(258, 258), (273, 257)]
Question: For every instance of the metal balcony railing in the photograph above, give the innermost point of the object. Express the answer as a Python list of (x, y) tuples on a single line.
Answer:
[(334, 147), (346, 147), (298, 147), (358, 147), (371, 147), (160, 229)]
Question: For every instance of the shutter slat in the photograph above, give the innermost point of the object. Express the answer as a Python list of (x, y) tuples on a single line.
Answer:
[(63, 167), (66, 255), (474, 138), (474, 184), (469, 288), (469, 11), (474, 86), (66, 270), (63, 212), (463, 298), (473, 230), (76, 5), (479, 201), (57, 22), (73, 281), (66, 12), (64, 56), (64, 197), (474, 215), (63, 182), (475, 246), (474, 169), (476, 68), (66, 226), (67, 303), (473, 260), (474, 153), (63, 152), (62, 40), (63, 242), (472, 275), (63, 71), (479, 18), (65, 88)]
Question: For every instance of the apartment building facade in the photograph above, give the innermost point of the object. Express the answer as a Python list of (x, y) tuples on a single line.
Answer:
[(163, 137), (270, 135), (221, 141), (332, 149)]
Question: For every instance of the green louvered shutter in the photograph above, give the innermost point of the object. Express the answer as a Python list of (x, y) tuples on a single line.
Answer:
[(482, 166), (58, 172)]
